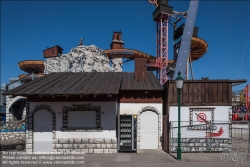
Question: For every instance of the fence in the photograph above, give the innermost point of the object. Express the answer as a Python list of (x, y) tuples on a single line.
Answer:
[(241, 135), (197, 136), (12, 136)]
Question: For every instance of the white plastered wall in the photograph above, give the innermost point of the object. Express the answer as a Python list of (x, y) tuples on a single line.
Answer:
[(221, 113), (221, 118), (108, 119)]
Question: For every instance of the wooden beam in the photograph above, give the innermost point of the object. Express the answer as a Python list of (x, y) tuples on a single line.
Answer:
[(83, 96)]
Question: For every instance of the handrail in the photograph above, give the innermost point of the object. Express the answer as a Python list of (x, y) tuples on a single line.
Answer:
[(20, 81)]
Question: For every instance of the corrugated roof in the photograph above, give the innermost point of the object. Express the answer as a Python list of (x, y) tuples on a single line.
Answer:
[(86, 83)]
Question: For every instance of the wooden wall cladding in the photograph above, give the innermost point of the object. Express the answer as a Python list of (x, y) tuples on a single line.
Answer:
[(202, 93), (140, 97)]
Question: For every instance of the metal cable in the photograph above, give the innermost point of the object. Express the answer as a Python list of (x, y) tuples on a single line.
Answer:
[(243, 54), (237, 25)]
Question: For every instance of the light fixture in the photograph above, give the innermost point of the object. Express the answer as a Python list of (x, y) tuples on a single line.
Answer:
[(179, 85), (179, 81)]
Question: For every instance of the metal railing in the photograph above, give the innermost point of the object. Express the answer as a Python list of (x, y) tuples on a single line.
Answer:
[(21, 81), (11, 126), (12, 136), (241, 135), (201, 137)]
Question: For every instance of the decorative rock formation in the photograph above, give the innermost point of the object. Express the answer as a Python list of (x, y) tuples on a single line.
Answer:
[(81, 59)]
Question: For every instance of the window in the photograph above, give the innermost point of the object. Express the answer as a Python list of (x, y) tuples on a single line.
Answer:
[(81, 118)]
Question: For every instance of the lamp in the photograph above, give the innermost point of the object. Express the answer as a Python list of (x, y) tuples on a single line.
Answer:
[(179, 84), (179, 81)]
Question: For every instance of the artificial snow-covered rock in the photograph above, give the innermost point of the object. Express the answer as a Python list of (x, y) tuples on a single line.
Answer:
[(81, 59)]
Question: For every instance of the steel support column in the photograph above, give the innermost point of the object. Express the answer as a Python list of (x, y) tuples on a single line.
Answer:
[(162, 48)]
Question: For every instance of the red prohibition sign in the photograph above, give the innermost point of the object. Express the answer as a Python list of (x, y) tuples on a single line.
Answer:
[(201, 117)]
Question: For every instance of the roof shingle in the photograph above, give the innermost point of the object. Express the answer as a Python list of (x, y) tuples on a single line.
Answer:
[(85, 83)]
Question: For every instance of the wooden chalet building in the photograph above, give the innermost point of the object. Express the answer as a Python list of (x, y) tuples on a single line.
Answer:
[(78, 112), (201, 100)]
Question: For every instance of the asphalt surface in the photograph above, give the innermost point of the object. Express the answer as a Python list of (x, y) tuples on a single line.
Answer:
[(159, 158)]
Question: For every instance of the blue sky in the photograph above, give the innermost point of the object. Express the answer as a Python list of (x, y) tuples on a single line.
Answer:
[(27, 28)]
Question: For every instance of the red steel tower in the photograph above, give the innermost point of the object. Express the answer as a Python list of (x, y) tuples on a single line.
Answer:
[(247, 96), (161, 15)]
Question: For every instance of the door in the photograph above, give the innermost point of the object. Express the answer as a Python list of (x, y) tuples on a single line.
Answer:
[(149, 130), (42, 132)]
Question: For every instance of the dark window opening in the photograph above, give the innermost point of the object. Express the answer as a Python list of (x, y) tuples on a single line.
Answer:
[(17, 108)]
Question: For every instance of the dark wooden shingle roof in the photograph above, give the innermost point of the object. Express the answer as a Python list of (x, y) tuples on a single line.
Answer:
[(86, 83)]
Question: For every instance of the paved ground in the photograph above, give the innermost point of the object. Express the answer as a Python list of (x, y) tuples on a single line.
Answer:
[(159, 159), (241, 144)]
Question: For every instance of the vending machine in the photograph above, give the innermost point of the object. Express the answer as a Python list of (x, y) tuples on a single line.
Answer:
[(127, 133)]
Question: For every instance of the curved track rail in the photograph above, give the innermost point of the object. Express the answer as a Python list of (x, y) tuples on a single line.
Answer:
[(197, 49), (32, 66)]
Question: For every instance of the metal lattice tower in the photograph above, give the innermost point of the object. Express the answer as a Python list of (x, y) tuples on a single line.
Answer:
[(162, 48), (160, 15)]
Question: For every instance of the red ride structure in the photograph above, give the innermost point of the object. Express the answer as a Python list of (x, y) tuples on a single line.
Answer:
[(161, 15), (247, 96), (161, 61)]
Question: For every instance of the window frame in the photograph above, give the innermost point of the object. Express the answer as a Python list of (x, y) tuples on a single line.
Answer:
[(82, 108)]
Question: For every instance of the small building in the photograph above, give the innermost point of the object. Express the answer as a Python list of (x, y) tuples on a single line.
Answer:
[(78, 112), (54, 51), (206, 114)]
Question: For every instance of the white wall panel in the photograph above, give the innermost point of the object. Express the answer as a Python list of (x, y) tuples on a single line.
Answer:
[(149, 130), (42, 131), (108, 119), (188, 118)]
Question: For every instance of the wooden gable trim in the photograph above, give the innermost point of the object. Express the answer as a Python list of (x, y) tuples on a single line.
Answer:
[(77, 98), (135, 96)]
